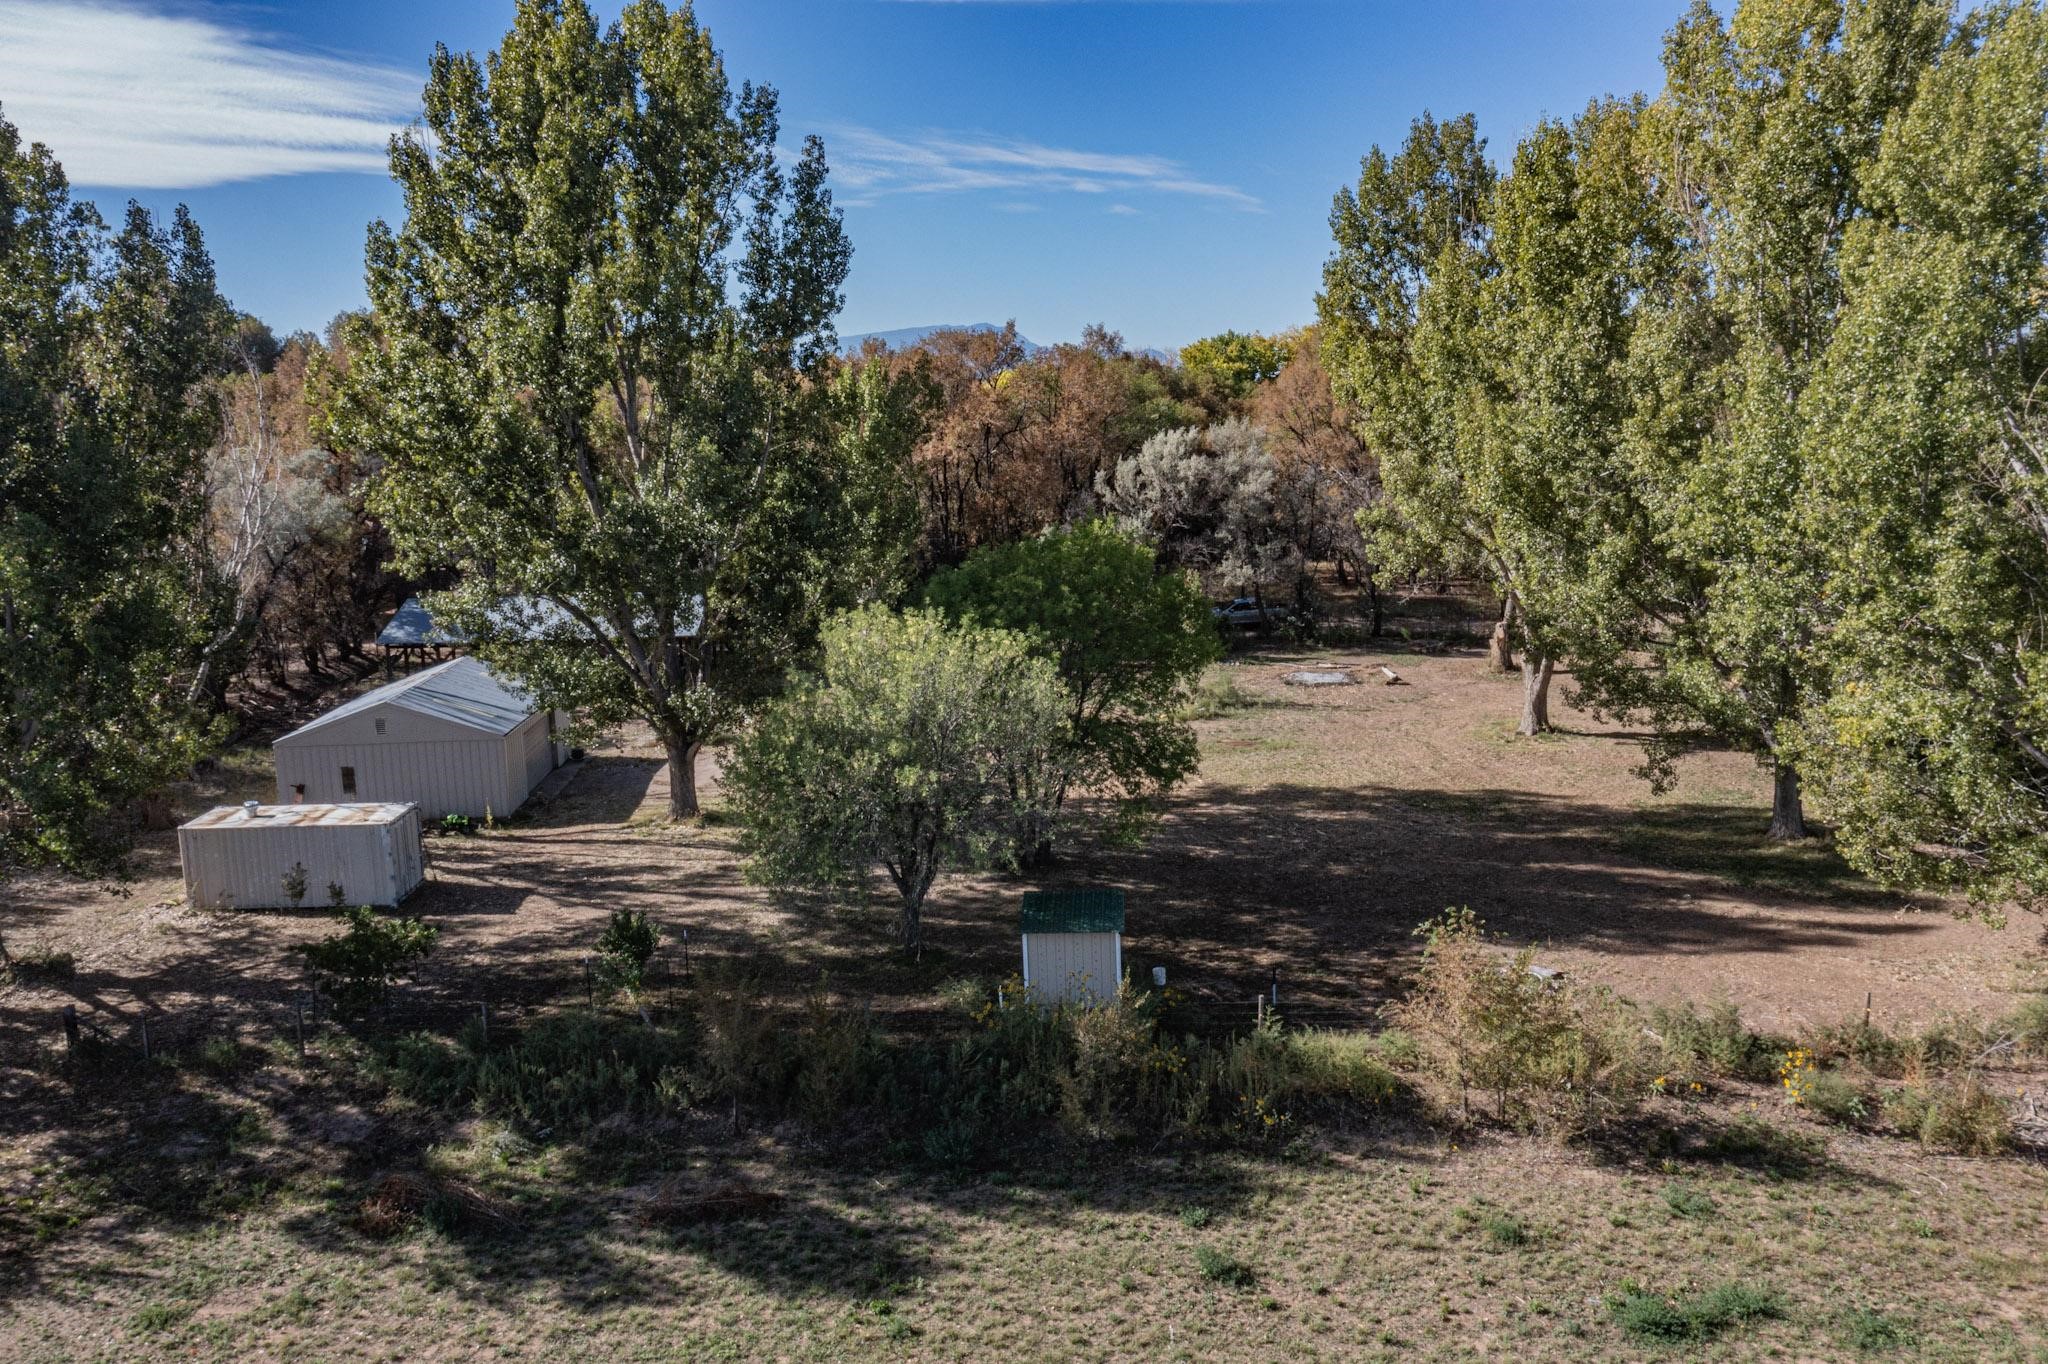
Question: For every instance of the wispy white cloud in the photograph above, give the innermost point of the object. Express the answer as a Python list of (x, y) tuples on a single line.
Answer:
[(1122, 210), (132, 96), (868, 165)]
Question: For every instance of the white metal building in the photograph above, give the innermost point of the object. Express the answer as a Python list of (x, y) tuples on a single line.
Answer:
[(451, 739), (254, 856), (1073, 944)]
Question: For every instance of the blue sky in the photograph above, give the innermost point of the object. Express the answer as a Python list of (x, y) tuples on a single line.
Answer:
[(1163, 166)]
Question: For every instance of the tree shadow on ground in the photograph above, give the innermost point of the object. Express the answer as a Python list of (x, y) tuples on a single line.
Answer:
[(1324, 887), (1670, 1142)]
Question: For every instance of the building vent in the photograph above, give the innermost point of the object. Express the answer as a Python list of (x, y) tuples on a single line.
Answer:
[(380, 726)]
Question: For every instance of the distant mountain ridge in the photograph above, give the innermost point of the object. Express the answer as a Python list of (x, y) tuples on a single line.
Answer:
[(901, 337)]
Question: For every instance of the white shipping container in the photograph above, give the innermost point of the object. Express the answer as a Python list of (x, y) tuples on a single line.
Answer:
[(244, 856)]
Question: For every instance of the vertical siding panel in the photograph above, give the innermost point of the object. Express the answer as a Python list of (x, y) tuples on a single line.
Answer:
[(443, 768), (1071, 965), (244, 866)]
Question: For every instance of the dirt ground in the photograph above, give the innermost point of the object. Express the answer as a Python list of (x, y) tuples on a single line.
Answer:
[(1325, 825), (201, 1211)]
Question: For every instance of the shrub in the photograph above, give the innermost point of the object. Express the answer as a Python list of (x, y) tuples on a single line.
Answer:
[(838, 1061), (1867, 1331), (1217, 694), (454, 825), (1833, 1096), (1687, 1202), (1504, 1229), (1960, 1116), (1121, 1082), (739, 1044), (566, 1071), (1398, 1049), (1220, 1266), (221, 1055), (1550, 1056), (295, 884), (357, 967), (2029, 1026), (1690, 1317), (625, 947), (1715, 1042)]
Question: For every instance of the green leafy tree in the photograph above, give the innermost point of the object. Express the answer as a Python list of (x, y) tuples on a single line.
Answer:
[(1926, 463), (598, 371), (1576, 239), (1762, 142), (626, 947), (1235, 363), (1399, 333), (357, 967), (105, 339), (1128, 639), (919, 746)]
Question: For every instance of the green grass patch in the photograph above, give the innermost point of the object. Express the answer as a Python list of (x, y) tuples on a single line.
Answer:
[(1868, 1331), (1221, 1267), (1689, 1203), (1676, 1319)]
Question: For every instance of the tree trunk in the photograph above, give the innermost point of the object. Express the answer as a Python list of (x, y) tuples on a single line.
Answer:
[(682, 775), (1535, 694), (911, 932), (1500, 653), (1788, 813), (1372, 595)]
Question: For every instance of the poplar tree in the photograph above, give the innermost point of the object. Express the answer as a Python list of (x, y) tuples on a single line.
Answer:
[(1399, 334), (1759, 146), (598, 369), (1927, 486)]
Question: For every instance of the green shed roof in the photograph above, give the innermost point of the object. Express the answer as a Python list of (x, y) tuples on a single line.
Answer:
[(1073, 911)]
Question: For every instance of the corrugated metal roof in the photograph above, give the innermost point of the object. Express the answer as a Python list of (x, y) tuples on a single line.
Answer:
[(412, 626), (296, 816), (1097, 910), (533, 618), (462, 690)]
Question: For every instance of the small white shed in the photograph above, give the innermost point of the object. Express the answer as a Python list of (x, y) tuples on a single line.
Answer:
[(248, 856), (1074, 943), (451, 739)]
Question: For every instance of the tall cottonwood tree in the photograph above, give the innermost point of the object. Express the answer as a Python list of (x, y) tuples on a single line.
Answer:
[(1926, 464), (1760, 145), (105, 339), (1402, 318), (598, 370), (1576, 240)]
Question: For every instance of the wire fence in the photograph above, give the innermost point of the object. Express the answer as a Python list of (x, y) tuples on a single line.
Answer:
[(298, 1016)]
